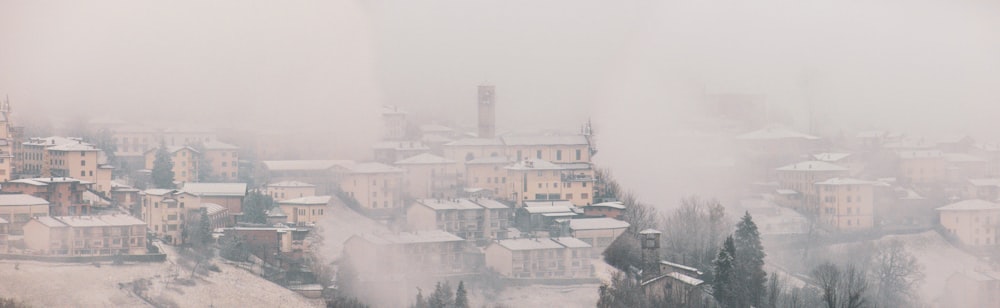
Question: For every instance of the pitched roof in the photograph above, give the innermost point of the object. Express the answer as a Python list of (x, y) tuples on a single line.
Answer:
[(401, 145), (612, 204), (775, 132), (47, 181), (533, 164), (490, 160), (597, 224), (288, 165), (371, 167), (218, 145), (3, 221), (545, 140), (216, 189), (100, 221), (542, 243), (812, 165), (962, 158), (74, 147), (542, 203), (50, 222), (425, 159), (985, 182), (173, 149), (52, 141), (547, 209), (21, 200), (311, 200), (970, 205), (435, 128), (290, 184), (830, 157), (919, 154), (849, 181), (475, 142), (212, 208)]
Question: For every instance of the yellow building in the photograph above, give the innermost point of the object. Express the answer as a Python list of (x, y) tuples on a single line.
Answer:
[(66, 157), (306, 210), (164, 211), (488, 173), (375, 186), (974, 222), (922, 167), (553, 148), (562, 257), (846, 204), (185, 161), (429, 176), (224, 159), (535, 179), (797, 183), (285, 190), (102, 235), (18, 209)]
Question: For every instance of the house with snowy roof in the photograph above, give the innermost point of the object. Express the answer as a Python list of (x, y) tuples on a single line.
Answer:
[(973, 222), (557, 257)]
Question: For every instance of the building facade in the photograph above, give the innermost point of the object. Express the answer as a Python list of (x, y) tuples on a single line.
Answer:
[(563, 257), (102, 235)]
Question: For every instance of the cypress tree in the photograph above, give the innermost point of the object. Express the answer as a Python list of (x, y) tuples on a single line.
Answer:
[(725, 276), (461, 298), (749, 264), (163, 169)]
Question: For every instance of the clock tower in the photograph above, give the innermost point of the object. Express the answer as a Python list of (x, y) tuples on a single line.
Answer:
[(487, 111)]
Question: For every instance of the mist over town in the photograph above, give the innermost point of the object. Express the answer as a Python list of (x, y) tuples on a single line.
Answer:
[(499, 154)]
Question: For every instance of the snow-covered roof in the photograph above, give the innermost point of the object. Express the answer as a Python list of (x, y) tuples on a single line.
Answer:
[(575, 166), (392, 109), (571, 242), (491, 160), (685, 279), (74, 147), (540, 203), (603, 223), (400, 145), (781, 191), (680, 266), (490, 203), (173, 149), (812, 165), (52, 141), (50, 222), (849, 181), (871, 134), (3, 221), (371, 167), (289, 165), (438, 139), (158, 191), (919, 154), (650, 231), (435, 128), (542, 243), (775, 132), (545, 140), (533, 164), (46, 181), (547, 209), (21, 200), (290, 184), (218, 145), (100, 221), (212, 208), (449, 204), (425, 159), (612, 204), (830, 157), (985, 182), (970, 205), (216, 189), (475, 142), (962, 158), (311, 200)]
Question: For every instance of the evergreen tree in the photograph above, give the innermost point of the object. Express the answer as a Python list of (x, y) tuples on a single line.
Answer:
[(163, 169), (421, 301), (749, 264), (255, 207), (461, 298), (204, 228), (723, 286), (442, 296)]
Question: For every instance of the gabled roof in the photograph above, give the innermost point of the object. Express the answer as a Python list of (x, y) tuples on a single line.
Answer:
[(50, 180), (21, 200), (435, 128), (475, 142), (218, 145), (539, 243), (100, 221), (371, 167), (812, 165), (597, 224), (173, 149), (86, 147), (52, 141), (491, 160), (290, 165), (545, 140), (775, 132), (50, 222), (919, 154), (970, 205), (311, 200), (547, 209), (290, 184), (425, 159), (543, 203), (612, 204), (3, 221), (216, 189), (830, 157), (212, 208), (849, 181), (401, 145), (985, 182)]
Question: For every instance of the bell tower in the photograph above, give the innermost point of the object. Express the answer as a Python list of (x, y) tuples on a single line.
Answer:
[(487, 111)]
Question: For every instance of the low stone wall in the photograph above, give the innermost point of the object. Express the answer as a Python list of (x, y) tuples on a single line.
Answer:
[(86, 259)]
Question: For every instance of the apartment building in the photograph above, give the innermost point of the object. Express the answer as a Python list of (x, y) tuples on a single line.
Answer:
[(391, 151), (18, 209), (394, 123), (224, 159), (471, 219), (922, 167), (419, 253), (534, 179), (560, 257), (102, 235), (596, 232), (847, 204), (228, 195), (67, 157), (429, 176), (165, 212), (553, 148), (185, 161), (306, 210), (796, 183), (65, 195), (488, 173), (285, 190), (318, 172), (376, 187), (973, 222)]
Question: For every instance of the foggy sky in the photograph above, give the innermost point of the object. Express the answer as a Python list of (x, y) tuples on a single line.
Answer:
[(638, 68)]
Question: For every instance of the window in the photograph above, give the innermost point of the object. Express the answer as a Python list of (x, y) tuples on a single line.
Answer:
[(488, 180), (83, 163), (538, 154), (577, 154), (224, 164), (374, 204), (584, 184), (503, 180), (91, 173), (585, 196), (569, 196), (539, 185), (558, 154), (83, 173)]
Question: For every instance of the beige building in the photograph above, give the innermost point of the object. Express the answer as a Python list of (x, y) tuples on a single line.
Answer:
[(67, 157), (973, 222), (36, 157), (471, 219), (922, 167), (392, 151), (135, 140), (165, 211), (420, 253), (322, 173), (846, 204), (467, 149), (18, 209), (185, 160), (86, 235), (796, 182), (229, 195), (285, 190), (534, 179), (554, 148), (224, 159), (394, 123), (65, 195), (488, 173), (562, 257), (597, 232), (985, 189), (306, 210), (429, 176), (375, 186)]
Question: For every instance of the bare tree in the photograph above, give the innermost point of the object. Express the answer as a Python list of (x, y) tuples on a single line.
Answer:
[(896, 272), (847, 288), (640, 216), (693, 233)]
